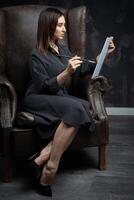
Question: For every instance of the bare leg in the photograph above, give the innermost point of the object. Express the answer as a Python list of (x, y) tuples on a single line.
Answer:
[(64, 135), (44, 154)]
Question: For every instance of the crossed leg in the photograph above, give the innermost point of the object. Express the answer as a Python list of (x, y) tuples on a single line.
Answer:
[(63, 137)]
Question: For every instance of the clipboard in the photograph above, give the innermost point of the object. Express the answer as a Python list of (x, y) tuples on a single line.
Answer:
[(101, 58)]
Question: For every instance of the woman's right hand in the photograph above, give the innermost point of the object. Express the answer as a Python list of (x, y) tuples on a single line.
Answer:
[(73, 64)]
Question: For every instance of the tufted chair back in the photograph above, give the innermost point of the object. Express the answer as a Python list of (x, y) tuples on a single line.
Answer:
[(18, 38)]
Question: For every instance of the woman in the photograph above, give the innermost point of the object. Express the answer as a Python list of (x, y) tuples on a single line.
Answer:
[(57, 114)]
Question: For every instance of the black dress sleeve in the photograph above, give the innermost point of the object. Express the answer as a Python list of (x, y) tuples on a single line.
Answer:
[(41, 78)]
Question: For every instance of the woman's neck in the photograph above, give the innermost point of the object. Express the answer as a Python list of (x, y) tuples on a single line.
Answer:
[(54, 46)]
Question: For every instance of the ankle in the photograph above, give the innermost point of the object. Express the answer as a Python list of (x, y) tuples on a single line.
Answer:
[(51, 166), (38, 161), (48, 174), (42, 159)]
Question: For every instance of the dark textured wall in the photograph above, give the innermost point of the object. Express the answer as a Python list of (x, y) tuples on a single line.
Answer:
[(109, 17)]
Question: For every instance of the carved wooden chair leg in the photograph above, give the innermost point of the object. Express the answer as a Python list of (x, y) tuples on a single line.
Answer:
[(7, 160), (7, 169), (102, 157)]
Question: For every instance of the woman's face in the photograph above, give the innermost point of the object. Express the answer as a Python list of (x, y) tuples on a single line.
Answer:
[(60, 29)]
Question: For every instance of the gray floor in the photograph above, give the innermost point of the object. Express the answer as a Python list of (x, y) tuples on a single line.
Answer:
[(78, 177)]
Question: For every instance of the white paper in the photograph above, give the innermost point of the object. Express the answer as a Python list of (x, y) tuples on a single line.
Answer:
[(101, 58)]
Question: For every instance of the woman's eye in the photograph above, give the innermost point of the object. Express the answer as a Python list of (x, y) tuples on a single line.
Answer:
[(60, 25)]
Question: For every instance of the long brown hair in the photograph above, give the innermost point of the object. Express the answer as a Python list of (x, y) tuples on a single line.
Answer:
[(47, 23)]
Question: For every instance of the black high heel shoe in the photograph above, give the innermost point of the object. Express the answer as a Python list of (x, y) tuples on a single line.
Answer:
[(36, 171), (34, 168), (45, 190)]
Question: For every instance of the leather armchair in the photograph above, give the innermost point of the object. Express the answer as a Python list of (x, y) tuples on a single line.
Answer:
[(18, 26)]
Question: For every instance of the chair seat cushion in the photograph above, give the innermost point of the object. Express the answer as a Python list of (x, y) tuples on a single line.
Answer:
[(25, 120)]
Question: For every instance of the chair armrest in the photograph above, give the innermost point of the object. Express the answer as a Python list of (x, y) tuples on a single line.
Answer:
[(96, 88), (8, 101)]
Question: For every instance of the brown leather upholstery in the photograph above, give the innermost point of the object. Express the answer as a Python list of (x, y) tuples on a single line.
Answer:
[(2, 42), (18, 26)]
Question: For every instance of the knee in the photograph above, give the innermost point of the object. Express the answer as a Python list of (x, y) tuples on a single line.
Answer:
[(68, 126)]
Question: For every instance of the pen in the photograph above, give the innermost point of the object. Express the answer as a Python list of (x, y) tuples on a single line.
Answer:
[(84, 60)]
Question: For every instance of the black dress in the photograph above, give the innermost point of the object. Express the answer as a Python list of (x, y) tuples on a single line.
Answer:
[(47, 101)]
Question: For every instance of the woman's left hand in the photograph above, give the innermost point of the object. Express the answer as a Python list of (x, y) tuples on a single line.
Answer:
[(111, 47)]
